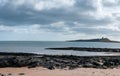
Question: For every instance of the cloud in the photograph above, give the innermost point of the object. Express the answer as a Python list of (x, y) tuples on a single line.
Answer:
[(11, 29), (38, 5), (66, 17), (21, 29)]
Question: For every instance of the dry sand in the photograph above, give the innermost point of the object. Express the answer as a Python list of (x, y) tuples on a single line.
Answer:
[(39, 71)]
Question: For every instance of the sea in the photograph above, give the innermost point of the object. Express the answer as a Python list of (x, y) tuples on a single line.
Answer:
[(39, 47)]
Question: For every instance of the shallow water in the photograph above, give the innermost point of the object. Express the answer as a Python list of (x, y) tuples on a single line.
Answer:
[(39, 47)]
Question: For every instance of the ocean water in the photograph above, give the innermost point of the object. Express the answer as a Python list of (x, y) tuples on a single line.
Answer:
[(38, 47)]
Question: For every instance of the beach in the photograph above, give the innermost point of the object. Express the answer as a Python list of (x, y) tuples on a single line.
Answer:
[(59, 37), (40, 71)]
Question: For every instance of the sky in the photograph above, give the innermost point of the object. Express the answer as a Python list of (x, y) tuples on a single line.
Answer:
[(59, 20)]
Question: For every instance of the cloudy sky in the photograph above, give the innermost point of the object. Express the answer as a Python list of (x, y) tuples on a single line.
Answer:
[(53, 20)]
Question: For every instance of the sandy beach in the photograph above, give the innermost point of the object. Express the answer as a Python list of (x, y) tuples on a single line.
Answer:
[(39, 71)]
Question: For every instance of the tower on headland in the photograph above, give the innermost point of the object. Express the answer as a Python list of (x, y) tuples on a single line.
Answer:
[(106, 39), (102, 37)]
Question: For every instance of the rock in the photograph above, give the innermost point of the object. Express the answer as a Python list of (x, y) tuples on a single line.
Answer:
[(10, 74), (2, 74), (73, 66), (21, 73), (88, 65), (33, 64), (49, 66), (104, 67), (96, 63)]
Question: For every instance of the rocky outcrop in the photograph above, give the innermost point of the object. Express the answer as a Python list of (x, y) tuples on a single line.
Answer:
[(87, 49), (60, 62)]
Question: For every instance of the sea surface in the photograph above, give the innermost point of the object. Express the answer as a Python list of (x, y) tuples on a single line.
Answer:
[(38, 47)]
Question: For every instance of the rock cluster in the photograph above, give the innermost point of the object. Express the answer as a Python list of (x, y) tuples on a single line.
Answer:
[(87, 49), (60, 62)]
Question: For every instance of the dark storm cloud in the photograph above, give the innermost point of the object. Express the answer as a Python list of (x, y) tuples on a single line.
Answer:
[(45, 13), (21, 15)]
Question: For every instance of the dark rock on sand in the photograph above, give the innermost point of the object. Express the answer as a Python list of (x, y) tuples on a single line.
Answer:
[(2, 74), (9, 74), (49, 66), (21, 73), (33, 64), (61, 62)]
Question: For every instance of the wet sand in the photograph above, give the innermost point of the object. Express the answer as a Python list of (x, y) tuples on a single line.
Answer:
[(39, 71)]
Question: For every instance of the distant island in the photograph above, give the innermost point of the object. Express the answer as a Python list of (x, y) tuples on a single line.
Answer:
[(96, 40)]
